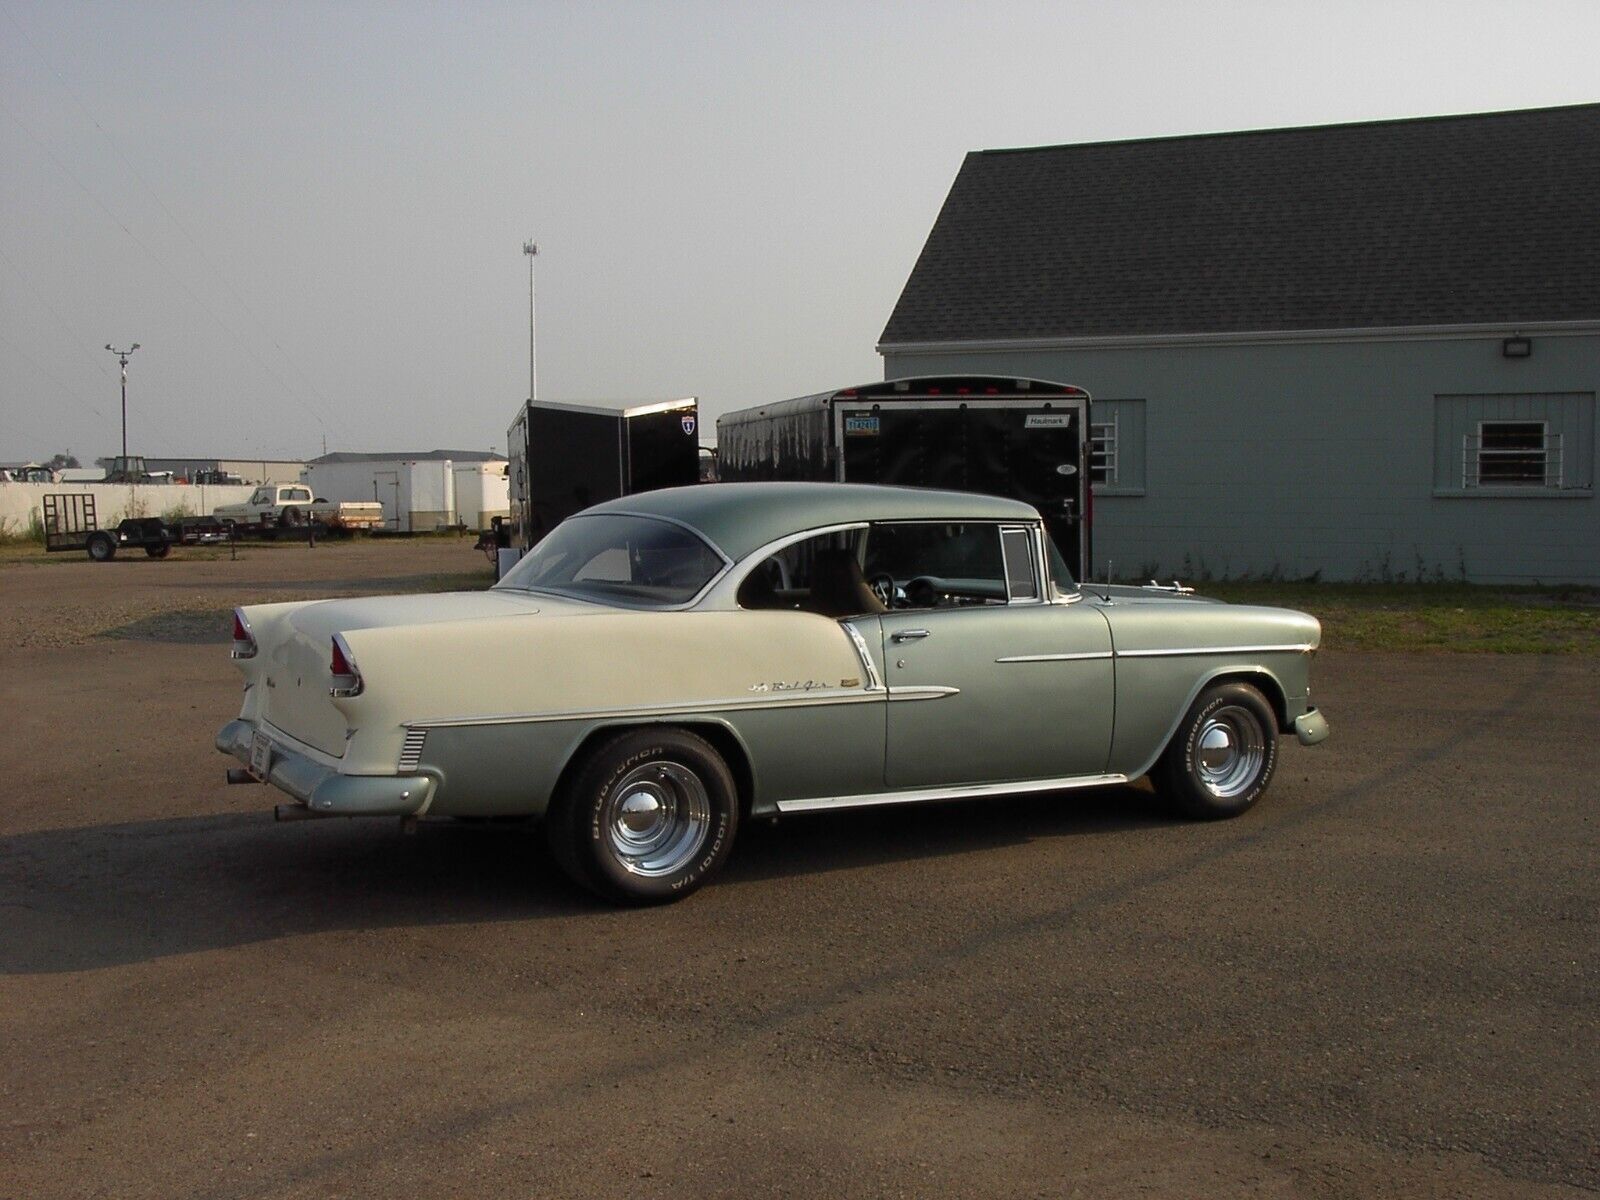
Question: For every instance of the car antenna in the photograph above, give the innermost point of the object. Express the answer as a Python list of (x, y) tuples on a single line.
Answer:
[(1105, 588)]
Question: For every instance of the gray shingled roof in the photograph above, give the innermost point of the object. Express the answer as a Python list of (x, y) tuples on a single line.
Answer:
[(349, 456), (1480, 219)]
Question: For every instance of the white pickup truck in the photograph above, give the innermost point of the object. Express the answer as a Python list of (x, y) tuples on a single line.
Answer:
[(290, 505)]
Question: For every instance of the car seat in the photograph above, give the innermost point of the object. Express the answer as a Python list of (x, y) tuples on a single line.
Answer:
[(838, 588)]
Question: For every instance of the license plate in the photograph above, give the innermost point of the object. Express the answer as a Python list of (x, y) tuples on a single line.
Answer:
[(260, 755)]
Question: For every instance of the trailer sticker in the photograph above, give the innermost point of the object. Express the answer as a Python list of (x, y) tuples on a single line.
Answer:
[(1048, 421), (860, 426), (688, 424)]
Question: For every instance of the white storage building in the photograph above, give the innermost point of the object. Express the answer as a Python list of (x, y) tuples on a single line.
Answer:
[(420, 492)]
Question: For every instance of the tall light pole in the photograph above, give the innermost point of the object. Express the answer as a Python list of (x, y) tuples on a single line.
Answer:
[(122, 357), (532, 251)]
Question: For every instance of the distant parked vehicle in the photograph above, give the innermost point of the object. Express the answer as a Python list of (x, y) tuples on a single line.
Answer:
[(127, 469), (222, 478), (291, 506), (30, 473), (152, 535)]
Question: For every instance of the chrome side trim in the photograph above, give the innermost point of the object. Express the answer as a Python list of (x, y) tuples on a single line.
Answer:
[(867, 665), (1301, 648), (922, 692), (921, 795), (1031, 658), (411, 749), (798, 699)]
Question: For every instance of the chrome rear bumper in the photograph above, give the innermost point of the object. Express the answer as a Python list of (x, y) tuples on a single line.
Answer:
[(325, 791)]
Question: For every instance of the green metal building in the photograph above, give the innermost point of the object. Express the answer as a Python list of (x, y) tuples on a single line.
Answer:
[(1353, 352)]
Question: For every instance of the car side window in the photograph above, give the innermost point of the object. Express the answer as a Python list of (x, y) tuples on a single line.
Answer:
[(1022, 575), (803, 576), (938, 564)]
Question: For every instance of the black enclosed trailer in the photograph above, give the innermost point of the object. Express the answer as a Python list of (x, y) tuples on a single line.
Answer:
[(565, 457), (1023, 438)]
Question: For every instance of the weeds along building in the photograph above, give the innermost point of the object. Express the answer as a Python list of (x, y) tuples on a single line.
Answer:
[(1355, 352)]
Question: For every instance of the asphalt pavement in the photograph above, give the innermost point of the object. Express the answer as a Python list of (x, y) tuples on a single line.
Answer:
[(1381, 982)]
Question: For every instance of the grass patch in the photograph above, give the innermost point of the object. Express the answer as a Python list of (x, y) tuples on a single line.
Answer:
[(1442, 617)]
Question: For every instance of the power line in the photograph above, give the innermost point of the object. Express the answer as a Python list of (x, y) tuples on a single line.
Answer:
[(77, 339), (50, 375), (170, 273), (171, 216)]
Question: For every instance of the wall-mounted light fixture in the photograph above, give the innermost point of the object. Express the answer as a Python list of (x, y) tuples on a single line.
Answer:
[(1516, 347)]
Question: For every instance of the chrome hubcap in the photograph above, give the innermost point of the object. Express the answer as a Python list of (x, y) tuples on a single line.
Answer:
[(1229, 752), (657, 818)]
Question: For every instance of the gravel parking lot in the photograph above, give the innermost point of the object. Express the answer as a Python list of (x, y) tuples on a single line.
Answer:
[(1383, 981)]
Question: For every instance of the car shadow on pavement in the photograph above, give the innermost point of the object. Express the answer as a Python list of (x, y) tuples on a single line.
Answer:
[(104, 895), (107, 895), (809, 843)]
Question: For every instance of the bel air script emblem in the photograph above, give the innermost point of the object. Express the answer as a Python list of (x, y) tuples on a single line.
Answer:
[(781, 686)]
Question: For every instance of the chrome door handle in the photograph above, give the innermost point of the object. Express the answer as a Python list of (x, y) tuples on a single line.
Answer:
[(908, 635)]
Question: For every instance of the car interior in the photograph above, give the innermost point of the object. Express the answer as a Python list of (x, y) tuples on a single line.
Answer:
[(928, 565)]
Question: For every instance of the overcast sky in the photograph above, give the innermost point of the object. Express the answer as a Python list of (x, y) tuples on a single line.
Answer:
[(311, 216)]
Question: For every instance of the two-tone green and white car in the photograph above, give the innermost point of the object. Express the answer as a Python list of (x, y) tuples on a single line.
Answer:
[(664, 666)]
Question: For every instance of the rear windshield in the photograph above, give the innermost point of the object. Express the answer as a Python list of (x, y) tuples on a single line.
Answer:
[(614, 559)]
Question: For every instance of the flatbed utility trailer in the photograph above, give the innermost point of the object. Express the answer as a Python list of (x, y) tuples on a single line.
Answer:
[(70, 523), (153, 535), (1023, 438)]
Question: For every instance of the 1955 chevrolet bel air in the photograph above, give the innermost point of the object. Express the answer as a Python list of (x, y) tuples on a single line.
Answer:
[(663, 666)]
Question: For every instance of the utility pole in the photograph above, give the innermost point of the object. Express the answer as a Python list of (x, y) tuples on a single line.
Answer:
[(532, 251), (122, 357)]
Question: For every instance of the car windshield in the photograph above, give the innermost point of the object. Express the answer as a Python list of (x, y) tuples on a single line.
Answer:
[(615, 559)]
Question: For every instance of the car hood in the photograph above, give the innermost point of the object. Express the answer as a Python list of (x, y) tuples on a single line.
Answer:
[(1122, 593)]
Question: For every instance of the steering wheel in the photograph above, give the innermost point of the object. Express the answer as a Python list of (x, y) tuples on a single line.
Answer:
[(882, 585)]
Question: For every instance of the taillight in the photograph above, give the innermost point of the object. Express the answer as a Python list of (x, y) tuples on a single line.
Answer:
[(244, 642), (346, 678)]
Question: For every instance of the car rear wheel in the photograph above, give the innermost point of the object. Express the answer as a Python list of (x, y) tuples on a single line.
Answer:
[(649, 816), (1224, 752)]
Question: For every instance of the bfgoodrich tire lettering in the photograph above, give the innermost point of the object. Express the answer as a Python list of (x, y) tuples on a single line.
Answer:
[(649, 816), (1222, 757)]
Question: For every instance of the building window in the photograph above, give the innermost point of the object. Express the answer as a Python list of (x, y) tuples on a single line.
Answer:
[(1538, 443), (1103, 452), (1511, 454)]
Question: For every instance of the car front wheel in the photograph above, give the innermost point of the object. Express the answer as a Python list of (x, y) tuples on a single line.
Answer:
[(649, 816), (1224, 752)]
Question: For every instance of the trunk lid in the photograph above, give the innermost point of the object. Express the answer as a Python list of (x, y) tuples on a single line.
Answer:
[(296, 670)]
